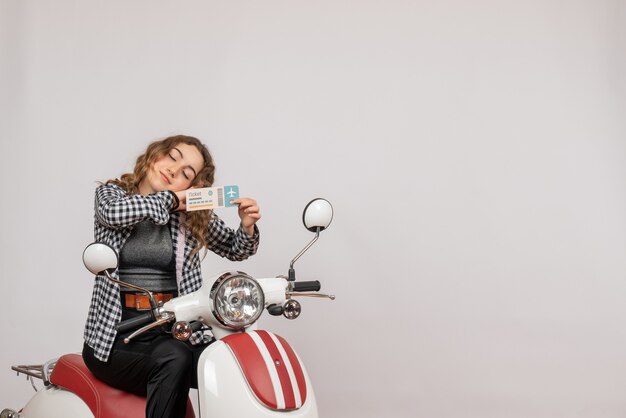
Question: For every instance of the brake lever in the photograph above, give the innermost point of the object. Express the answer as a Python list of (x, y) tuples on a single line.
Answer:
[(313, 295), (165, 317)]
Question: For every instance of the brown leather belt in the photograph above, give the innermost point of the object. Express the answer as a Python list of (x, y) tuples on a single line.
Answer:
[(142, 302)]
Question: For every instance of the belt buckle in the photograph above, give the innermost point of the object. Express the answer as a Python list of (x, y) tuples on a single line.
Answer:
[(138, 300)]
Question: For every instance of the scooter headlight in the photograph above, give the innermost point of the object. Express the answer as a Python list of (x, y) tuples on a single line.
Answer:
[(237, 300)]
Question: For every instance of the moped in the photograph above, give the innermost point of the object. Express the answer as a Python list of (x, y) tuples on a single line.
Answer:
[(245, 373)]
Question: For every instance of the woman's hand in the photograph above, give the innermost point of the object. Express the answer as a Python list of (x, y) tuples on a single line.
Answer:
[(249, 213), (182, 198)]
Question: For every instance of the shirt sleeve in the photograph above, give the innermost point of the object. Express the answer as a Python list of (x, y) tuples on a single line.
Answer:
[(114, 208), (235, 245)]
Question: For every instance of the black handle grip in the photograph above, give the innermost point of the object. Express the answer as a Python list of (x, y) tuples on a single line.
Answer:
[(275, 310), (310, 286), (196, 325), (136, 322)]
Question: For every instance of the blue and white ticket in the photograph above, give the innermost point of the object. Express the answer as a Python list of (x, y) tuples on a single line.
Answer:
[(211, 197)]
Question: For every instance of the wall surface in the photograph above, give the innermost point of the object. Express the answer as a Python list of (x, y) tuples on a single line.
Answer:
[(475, 154)]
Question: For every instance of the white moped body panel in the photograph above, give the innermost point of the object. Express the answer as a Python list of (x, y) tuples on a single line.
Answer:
[(226, 393), (53, 401), (196, 306), (274, 289)]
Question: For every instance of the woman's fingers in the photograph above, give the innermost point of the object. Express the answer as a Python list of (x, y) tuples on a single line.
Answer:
[(244, 202), (249, 211), (182, 199), (246, 205)]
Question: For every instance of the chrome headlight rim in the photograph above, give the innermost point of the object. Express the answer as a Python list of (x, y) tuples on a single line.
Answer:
[(217, 285)]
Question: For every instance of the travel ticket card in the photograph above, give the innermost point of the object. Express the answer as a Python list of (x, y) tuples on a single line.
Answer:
[(211, 197)]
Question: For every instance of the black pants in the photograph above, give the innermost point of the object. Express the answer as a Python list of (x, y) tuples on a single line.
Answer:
[(157, 366)]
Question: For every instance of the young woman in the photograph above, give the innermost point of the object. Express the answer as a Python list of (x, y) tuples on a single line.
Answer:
[(142, 216)]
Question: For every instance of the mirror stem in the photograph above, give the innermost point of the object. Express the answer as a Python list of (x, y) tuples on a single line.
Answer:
[(292, 272), (141, 289)]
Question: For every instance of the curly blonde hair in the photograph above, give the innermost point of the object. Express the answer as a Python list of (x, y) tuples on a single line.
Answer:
[(196, 222)]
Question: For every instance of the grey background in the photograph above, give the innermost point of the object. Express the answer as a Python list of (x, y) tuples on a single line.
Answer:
[(474, 153)]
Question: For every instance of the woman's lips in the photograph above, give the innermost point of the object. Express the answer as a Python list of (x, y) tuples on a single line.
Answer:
[(165, 178)]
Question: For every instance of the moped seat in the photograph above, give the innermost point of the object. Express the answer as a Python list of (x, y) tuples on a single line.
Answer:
[(71, 373)]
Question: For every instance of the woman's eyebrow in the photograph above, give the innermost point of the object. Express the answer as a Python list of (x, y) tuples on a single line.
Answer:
[(182, 156)]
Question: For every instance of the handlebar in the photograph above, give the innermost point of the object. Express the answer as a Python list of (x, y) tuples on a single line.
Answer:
[(310, 286), (196, 325), (134, 323)]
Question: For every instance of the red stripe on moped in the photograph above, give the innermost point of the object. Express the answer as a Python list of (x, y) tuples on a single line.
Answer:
[(273, 377), (253, 367), (279, 364), (297, 368)]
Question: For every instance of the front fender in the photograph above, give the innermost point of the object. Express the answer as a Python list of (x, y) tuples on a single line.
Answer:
[(225, 392)]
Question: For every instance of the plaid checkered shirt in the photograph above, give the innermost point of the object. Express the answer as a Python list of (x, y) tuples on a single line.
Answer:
[(116, 213)]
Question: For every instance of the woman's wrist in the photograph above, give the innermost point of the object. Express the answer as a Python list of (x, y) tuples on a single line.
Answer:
[(175, 202), (249, 230)]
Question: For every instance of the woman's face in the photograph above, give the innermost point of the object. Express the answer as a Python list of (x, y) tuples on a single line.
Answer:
[(174, 171)]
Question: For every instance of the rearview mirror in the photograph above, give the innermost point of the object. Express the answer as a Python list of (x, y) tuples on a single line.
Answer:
[(317, 216), (318, 213), (100, 258)]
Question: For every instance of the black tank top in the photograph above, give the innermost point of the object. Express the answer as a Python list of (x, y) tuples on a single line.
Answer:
[(147, 260)]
